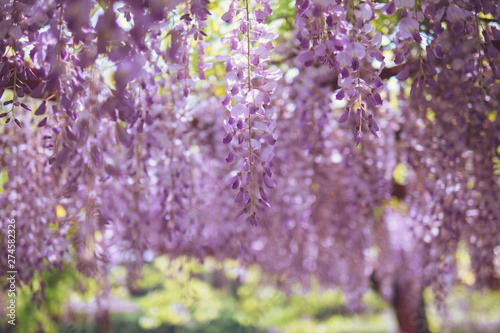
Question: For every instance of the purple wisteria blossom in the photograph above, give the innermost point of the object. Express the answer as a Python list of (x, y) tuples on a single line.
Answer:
[(343, 142)]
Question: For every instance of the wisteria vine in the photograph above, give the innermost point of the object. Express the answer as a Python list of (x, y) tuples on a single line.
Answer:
[(249, 87), (236, 129)]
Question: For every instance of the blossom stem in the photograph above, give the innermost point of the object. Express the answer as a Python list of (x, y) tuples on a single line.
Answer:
[(359, 98), (480, 60), (14, 88), (249, 114)]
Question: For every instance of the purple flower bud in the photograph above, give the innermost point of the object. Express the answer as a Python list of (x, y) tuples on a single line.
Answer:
[(260, 16), (149, 118), (227, 139), (239, 124), (329, 21), (24, 106), (254, 61), (379, 56), (306, 57), (457, 27), (344, 116), (372, 129), (252, 220), (226, 100), (263, 194), (390, 9), (42, 122), (355, 64), (372, 122), (233, 44), (270, 140), (370, 101), (236, 184), (246, 165), (430, 10), (265, 203), (431, 82), (340, 95), (228, 17), (404, 73), (231, 180), (244, 210), (268, 181), (230, 158), (438, 28), (239, 196), (266, 99), (438, 51), (267, 169), (55, 111), (344, 73), (359, 135), (416, 36), (398, 58), (304, 43)]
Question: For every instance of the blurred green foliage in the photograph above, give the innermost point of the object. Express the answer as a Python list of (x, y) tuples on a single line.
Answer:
[(204, 296), (184, 295), (40, 304)]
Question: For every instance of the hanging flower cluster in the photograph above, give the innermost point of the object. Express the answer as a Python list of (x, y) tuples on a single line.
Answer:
[(249, 87), (342, 37)]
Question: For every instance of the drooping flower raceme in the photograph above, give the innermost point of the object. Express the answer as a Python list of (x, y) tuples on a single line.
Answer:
[(250, 123), (343, 38)]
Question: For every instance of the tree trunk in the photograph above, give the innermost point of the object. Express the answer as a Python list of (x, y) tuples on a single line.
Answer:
[(103, 321), (410, 308)]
